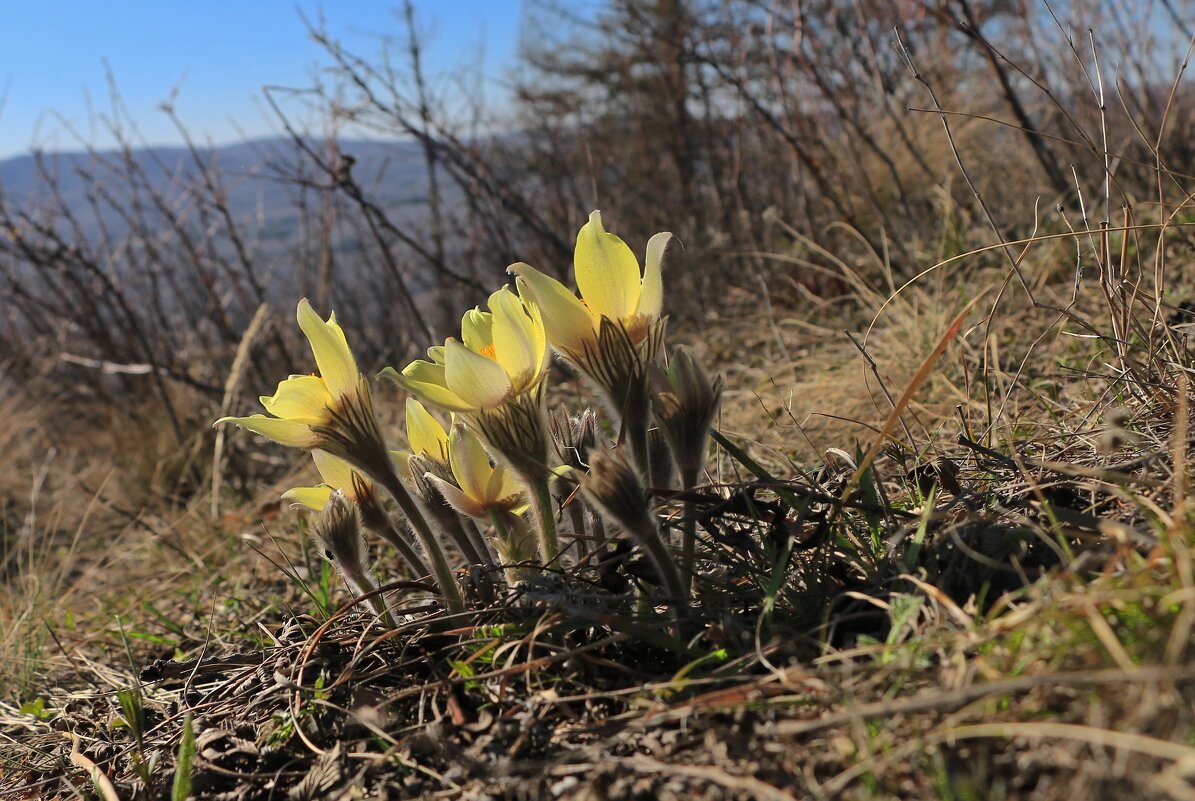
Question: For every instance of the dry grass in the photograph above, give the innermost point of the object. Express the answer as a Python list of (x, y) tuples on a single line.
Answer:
[(1025, 635), (999, 606)]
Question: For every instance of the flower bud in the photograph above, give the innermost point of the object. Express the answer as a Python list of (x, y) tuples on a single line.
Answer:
[(685, 402), (573, 436), (613, 486), (339, 532)]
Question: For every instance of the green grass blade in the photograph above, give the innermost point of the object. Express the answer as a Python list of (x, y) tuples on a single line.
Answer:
[(185, 765)]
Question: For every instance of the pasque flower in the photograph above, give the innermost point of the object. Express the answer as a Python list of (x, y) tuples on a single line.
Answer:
[(481, 487), (493, 378), (425, 435), (339, 476), (338, 532), (333, 411), (685, 401), (501, 355), (611, 286), (429, 456), (304, 404), (614, 487), (614, 330)]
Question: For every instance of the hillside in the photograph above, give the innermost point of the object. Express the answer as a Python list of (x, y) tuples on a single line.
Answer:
[(798, 407)]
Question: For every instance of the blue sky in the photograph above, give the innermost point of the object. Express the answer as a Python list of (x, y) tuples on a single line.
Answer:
[(221, 52)]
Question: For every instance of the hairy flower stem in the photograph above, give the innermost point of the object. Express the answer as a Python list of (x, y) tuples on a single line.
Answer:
[(440, 568), (502, 532), (478, 539), (362, 586), (689, 534), (635, 428), (648, 537), (375, 519), (450, 522), (576, 513), (390, 534), (545, 517)]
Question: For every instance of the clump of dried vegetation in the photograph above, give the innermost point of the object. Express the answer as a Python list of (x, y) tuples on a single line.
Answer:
[(942, 537)]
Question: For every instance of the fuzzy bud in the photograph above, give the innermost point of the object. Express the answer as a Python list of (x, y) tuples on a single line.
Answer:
[(573, 436), (420, 468), (613, 486), (427, 474), (340, 533), (685, 402)]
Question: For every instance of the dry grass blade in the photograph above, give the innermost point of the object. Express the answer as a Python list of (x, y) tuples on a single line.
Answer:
[(101, 781), (923, 372), (232, 386), (1091, 735)]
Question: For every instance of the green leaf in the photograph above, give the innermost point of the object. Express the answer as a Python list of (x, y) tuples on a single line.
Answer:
[(758, 470), (36, 709), (902, 612), (185, 763), (776, 580)]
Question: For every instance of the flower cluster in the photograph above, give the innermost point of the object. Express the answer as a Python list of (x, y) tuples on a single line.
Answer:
[(485, 480)]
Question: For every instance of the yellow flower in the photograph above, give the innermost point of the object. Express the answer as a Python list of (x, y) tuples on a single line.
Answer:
[(493, 378), (303, 403), (424, 432), (503, 353), (425, 436), (337, 475), (611, 286), (341, 477), (333, 411), (481, 487)]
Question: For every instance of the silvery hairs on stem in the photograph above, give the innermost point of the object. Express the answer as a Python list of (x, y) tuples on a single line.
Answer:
[(614, 487), (339, 532)]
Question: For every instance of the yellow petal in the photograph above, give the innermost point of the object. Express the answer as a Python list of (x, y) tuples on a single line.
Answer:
[(520, 344), (285, 432), (475, 379), (568, 323), (475, 329), (302, 397), (651, 300), (607, 271), (426, 380), (457, 499), (424, 432), (436, 354), (332, 355), (504, 490), (312, 497), (336, 472), (469, 461), (540, 334)]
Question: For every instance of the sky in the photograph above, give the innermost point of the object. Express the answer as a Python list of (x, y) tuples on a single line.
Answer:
[(218, 53)]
